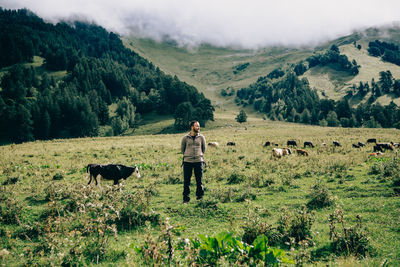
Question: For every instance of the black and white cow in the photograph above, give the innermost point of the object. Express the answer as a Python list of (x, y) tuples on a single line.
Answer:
[(111, 172)]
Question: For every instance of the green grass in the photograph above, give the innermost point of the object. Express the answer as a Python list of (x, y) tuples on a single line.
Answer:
[(345, 172)]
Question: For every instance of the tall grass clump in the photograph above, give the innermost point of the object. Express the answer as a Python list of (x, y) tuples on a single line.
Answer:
[(10, 209), (236, 178), (386, 168), (320, 196), (346, 240), (292, 228)]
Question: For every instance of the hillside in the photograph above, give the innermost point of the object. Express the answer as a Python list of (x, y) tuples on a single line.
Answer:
[(75, 79), (335, 84), (212, 69)]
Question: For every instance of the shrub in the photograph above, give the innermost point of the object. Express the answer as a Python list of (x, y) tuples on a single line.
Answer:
[(261, 181), (320, 196), (58, 176), (158, 251), (396, 183), (385, 167), (246, 195), (296, 226), (236, 178), (225, 246), (348, 240), (11, 180), (208, 203), (254, 228), (241, 117), (10, 211)]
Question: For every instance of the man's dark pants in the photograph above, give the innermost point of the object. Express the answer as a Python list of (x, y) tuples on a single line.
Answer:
[(188, 168)]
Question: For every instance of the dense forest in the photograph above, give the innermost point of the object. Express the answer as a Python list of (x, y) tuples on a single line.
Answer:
[(100, 72), (387, 51), (282, 95), (334, 58)]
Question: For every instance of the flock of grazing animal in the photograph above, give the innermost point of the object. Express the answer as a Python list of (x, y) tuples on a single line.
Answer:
[(117, 172), (379, 148)]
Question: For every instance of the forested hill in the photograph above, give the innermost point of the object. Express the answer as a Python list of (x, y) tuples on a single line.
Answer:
[(284, 94), (59, 81)]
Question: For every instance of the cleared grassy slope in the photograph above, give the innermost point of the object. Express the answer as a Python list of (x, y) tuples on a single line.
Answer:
[(211, 69), (336, 83)]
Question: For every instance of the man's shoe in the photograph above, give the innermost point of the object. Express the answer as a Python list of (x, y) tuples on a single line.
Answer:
[(185, 202), (199, 198)]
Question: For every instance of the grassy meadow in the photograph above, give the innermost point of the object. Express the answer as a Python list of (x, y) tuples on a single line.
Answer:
[(50, 216)]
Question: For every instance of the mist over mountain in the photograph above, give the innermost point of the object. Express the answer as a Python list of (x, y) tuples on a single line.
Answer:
[(247, 24)]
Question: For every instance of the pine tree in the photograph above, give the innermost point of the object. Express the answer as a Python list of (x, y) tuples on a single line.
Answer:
[(306, 116), (332, 119), (241, 117), (183, 115)]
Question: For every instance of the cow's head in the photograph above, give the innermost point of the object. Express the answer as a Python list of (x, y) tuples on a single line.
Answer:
[(136, 171)]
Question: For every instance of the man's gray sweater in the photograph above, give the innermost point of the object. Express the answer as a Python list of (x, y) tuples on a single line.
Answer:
[(193, 148)]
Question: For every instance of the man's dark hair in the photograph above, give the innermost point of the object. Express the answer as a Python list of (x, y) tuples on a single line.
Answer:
[(192, 123)]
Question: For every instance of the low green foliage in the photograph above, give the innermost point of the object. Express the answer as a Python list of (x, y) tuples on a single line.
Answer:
[(209, 250), (292, 228), (320, 196), (236, 178), (212, 249), (349, 240)]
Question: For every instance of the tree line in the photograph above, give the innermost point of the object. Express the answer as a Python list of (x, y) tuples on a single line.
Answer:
[(387, 51), (290, 98), (100, 72), (385, 85), (334, 58)]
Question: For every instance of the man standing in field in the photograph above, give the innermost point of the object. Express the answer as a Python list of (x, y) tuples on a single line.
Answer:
[(193, 146)]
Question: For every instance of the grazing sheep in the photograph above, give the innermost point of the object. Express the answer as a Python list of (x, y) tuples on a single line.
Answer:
[(213, 144)]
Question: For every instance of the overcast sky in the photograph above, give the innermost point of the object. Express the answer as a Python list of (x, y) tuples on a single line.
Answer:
[(246, 23)]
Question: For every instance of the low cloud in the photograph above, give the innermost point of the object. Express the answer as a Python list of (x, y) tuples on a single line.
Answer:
[(248, 24)]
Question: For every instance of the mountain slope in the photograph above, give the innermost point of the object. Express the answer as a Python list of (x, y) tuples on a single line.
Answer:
[(212, 69), (335, 84), (76, 79)]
